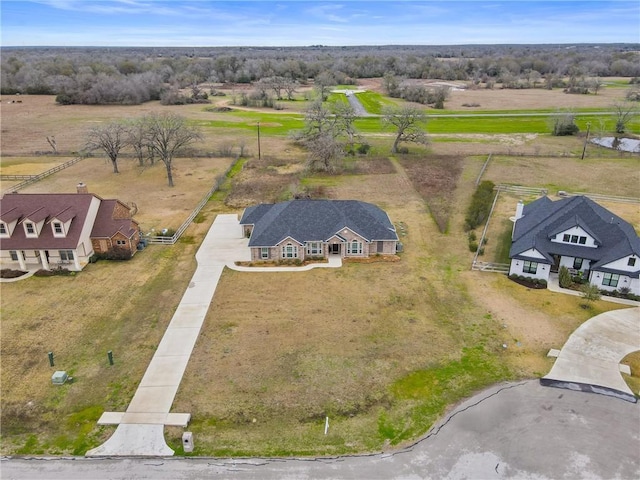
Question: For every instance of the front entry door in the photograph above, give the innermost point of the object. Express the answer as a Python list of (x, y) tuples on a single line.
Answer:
[(335, 248)]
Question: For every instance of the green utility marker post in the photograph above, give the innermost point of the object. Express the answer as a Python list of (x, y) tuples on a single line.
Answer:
[(50, 354), (110, 355)]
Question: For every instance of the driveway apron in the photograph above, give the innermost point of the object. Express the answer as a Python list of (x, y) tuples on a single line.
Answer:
[(590, 359), (141, 428)]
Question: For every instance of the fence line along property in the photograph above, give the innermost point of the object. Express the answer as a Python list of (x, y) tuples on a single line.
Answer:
[(520, 190), (29, 179), (166, 240)]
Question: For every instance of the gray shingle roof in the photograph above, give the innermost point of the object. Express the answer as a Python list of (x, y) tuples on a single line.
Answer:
[(315, 220), (544, 218)]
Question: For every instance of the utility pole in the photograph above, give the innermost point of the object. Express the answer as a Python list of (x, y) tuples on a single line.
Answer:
[(259, 156), (586, 140)]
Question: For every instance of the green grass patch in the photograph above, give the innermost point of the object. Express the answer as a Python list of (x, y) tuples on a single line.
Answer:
[(432, 389), (504, 242), (337, 98), (373, 102)]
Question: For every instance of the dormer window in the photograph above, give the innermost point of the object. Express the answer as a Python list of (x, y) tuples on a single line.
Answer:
[(3, 229), (631, 262), (58, 229), (582, 240), (30, 229)]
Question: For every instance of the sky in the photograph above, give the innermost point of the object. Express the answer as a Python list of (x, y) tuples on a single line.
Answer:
[(300, 23)]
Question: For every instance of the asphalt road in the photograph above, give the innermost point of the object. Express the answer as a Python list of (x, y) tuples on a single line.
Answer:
[(521, 430)]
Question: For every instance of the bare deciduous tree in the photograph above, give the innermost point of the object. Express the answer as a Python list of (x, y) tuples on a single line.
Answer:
[(624, 112), (52, 141), (110, 138), (137, 138), (409, 123), (324, 134), (322, 82), (167, 135)]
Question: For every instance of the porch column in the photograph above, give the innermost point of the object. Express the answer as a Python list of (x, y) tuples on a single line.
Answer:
[(43, 257), (21, 261), (76, 262)]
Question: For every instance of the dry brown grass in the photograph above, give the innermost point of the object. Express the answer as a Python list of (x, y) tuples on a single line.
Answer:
[(281, 348), (159, 206), (607, 175), (435, 178), (26, 125), (499, 99)]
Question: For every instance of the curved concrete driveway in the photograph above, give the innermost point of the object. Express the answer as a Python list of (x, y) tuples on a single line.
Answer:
[(590, 358)]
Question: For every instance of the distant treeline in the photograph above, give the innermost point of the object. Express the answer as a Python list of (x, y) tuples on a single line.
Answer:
[(95, 75)]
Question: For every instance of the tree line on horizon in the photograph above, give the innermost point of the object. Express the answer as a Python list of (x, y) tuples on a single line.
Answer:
[(85, 75)]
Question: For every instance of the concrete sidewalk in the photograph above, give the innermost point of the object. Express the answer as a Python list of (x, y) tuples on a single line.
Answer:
[(590, 358), (141, 428), (335, 261), (554, 286)]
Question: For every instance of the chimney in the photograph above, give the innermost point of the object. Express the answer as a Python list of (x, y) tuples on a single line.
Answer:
[(82, 188), (519, 209)]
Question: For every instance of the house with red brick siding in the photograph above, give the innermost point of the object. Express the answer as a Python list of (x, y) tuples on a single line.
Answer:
[(51, 230), (303, 229)]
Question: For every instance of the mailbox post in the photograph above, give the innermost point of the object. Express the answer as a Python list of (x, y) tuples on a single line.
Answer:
[(187, 442)]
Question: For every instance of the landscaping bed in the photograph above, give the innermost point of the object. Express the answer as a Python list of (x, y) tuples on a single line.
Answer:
[(9, 273)]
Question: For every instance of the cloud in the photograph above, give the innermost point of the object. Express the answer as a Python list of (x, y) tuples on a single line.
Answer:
[(326, 12)]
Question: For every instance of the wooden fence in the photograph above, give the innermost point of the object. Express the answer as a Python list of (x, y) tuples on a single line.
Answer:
[(29, 179), (162, 240)]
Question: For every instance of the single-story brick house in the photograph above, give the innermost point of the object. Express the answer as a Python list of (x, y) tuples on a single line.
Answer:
[(579, 234), (47, 230), (302, 229)]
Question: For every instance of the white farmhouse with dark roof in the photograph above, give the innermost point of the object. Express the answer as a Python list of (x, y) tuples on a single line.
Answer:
[(303, 229), (579, 234)]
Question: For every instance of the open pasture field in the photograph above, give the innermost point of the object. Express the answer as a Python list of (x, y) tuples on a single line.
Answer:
[(382, 348), (526, 99), (159, 206), (376, 347), (603, 175)]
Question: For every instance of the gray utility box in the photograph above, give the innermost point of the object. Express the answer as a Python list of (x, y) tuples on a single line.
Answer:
[(187, 442), (59, 377)]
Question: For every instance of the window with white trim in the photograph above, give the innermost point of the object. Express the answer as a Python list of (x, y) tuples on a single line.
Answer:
[(66, 255), (610, 279), (289, 251), (582, 240), (57, 228), (577, 263), (354, 247), (530, 267), (3, 229), (14, 255), (264, 253), (30, 228), (314, 248), (121, 242), (631, 262)]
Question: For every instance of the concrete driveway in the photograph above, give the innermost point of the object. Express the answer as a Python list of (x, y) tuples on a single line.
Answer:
[(141, 427), (590, 358), (140, 430)]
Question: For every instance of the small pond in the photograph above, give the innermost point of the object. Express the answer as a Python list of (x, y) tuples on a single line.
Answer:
[(621, 144)]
